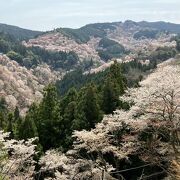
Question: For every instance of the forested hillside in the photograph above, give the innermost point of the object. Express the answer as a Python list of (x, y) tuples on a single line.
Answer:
[(103, 41), (17, 32), (98, 102), (142, 135), (34, 56)]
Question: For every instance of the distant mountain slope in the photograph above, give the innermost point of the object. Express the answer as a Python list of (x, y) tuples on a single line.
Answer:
[(21, 86), (83, 34), (162, 26), (18, 32), (120, 39)]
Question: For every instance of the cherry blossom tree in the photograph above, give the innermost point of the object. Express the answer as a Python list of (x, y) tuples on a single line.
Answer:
[(55, 165), (158, 101), (16, 157), (154, 113)]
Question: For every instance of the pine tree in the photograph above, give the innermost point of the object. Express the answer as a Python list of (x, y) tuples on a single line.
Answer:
[(88, 110), (71, 96), (48, 103), (117, 77), (91, 106), (10, 125), (17, 120), (49, 119), (3, 105), (110, 97), (114, 87), (68, 118), (16, 114), (2, 121), (27, 129)]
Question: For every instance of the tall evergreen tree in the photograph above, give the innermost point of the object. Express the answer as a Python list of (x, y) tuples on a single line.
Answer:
[(27, 129), (49, 119), (113, 88), (17, 120), (16, 114), (91, 106), (88, 110), (110, 96), (10, 125), (71, 96), (116, 76), (2, 120)]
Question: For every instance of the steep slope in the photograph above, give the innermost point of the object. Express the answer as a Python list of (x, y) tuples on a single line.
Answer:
[(126, 34), (18, 32), (120, 38), (162, 26), (58, 42), (127, 143), (20, 86), (89, 47)]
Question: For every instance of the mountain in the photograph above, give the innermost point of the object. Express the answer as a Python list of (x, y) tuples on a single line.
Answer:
[(100, 30), (104, 41), (91, 103), (18, 32), (92, 48), (162, 26), (21, 86)]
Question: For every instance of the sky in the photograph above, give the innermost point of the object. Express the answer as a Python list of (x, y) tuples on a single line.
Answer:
[(50, 14)]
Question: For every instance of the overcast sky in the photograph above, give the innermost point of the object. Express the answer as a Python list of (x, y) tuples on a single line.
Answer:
[(50, 14)]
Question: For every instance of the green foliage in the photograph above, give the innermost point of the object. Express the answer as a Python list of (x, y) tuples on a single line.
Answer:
[(56, 59), (9, 127), (19, 33), (163, 53), (113, 88), (105, 43), (177, 39), (88, 108), (3, 113), (32, 56), (83, 34), (110, 49), (49, 119), (77, 34), (161, 26), (15, 56), (147, 33), (3, 105), (55, 118), (76, 79), (27, 128), (110, 97), (4, 46)]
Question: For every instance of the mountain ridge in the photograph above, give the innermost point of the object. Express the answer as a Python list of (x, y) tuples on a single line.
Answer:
[(18, 32), (86, 41)]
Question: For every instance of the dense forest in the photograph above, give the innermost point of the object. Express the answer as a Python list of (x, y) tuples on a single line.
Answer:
[(109, 49), (119, 123), (33, 56), (83, 34), (150, 34), (76, 79), (136, 138), (76, 102), (75, 110), (19, 33)]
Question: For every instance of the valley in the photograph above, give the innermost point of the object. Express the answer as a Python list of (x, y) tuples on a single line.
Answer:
[(98, 102)]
